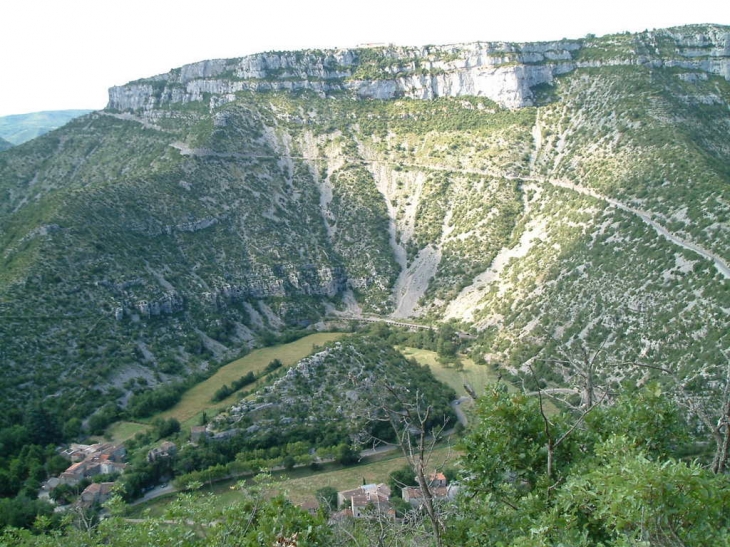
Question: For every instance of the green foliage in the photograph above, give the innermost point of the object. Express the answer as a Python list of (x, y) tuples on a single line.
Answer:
[(165, 428), (268, 520), (272, 366), (44, 427), (103, 417), (628, 497), (506, 452), (327, 498), (345, 454), (615, 480), (212, 229), (22, 512), (330, 397), (226, 390), (442, 172), (647, 419), (310, 410), (400, 478), (147, 403)]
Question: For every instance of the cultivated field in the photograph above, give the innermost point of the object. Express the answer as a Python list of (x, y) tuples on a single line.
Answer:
[(122, 431), (301, 489)]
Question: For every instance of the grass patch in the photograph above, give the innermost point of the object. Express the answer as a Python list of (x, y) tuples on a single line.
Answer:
[(478, 376), (197, 400), (122, 431)]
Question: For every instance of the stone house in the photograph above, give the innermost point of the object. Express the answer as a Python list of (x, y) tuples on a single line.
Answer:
[(437, 479), (437, 484), (74, 474), (366, 498), (103, 458), (97, 492), (165, 450), (80, 452)]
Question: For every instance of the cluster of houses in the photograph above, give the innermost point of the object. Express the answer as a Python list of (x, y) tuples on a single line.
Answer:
[(88, 461), (375, 498)]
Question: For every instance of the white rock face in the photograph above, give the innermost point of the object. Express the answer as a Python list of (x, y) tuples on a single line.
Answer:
[(502, 72)]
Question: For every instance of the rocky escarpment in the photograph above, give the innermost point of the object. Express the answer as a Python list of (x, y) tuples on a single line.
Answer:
[(282, 281), (503, 72)]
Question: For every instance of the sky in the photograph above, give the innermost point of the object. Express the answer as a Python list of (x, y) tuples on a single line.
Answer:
[(65, 54)]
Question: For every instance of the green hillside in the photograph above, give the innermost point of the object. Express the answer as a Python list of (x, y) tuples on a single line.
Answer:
[(205, 209), (553, 217)]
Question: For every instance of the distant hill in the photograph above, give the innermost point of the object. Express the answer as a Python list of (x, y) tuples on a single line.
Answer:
[(19, 128), (4, 145)]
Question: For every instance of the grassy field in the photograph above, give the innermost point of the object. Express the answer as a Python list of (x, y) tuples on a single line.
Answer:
[(299, 485), (197, 400), (122, 431), (478, 376)]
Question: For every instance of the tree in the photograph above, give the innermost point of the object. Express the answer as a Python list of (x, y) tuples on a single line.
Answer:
[(710, 406), (43, 426), (165, 428), (327, 498), (72, 428), (579, 368), (629, 498), (505, 451), (411, 420), (400, 478), (345, 454), (612, 479), (272, 366)]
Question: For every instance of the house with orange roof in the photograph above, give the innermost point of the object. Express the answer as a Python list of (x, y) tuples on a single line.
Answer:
[(74, 474), (97, 492)]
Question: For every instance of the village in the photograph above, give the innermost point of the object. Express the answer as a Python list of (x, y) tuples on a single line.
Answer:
[(105, 460), (96, 466)]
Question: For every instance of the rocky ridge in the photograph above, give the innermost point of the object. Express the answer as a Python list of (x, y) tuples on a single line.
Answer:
[(502, 72)]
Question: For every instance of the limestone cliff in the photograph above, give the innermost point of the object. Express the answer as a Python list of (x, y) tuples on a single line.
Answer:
[(503, 72)]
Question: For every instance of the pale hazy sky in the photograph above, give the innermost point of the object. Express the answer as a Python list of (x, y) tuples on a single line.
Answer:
[(64, 54)]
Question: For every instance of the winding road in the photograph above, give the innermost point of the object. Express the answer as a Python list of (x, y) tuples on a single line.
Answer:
[(720, 264)]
